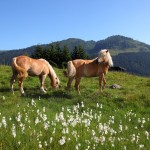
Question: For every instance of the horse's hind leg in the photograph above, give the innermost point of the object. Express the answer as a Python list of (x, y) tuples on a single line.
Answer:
[(12, 81), (77, 85), (20, 82), (69, 83)]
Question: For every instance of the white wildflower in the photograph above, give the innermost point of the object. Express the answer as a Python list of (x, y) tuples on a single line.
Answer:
[(4, 122), (33, 103), (143, 120), (77, 146), (40, 145), (87, 122), (93, 133), (101, 106), (141, 146), (82, 104), (74, 123), (54, 130), (62, 108), (126, 127), (3, 97), (147, 135), (67, 130), (19, 142), (102, 139), (38, 111), (120, 127), (45, 143), (44, 117), (13, 129), (125, 148), (62, 141), (68, 109), (137, 138), (135, 127), (100, 127), (133, 138), (97, 105), (43, 109), (37, 120), (64, 123), (61, 116), (50, 140), (46, 125), (57, 117), (139, 120), (18, 118), (22, 127)]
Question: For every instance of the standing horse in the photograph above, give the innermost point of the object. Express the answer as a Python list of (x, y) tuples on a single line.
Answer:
[(89, 68), (22, 66)]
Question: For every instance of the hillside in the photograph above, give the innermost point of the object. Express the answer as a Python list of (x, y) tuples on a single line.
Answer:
[(117, 45), (72, 42), (120, 44), (114, 119), (136, 63)]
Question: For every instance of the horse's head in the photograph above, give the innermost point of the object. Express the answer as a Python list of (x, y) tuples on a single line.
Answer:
[(104, 57), (56, 83)]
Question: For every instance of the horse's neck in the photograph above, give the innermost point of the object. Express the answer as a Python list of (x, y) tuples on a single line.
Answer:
[(95, 60)]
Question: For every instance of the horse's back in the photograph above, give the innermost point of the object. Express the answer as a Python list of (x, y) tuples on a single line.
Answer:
[(34, 67), (86, 68)]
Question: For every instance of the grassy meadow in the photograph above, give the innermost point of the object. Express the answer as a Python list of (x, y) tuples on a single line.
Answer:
[(116, 119)]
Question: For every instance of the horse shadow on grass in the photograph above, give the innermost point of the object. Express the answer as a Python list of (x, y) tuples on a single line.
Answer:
[(34, 93), (50, 94)]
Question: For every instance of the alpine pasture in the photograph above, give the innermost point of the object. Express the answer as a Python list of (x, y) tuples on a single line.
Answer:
[(114, 119)]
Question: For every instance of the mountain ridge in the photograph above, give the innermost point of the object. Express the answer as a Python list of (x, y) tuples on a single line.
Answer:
[(123, 49)]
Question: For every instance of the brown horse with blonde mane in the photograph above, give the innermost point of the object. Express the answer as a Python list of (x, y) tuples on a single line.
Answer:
[(22, 66), (78, 68)]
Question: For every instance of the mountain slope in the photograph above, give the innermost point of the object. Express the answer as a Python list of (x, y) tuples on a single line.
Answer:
[(136, 63), (120, 44), (120, 47), (72, 42)]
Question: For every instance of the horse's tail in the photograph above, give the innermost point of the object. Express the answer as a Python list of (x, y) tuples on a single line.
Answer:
[(21, 71), (71, 70)]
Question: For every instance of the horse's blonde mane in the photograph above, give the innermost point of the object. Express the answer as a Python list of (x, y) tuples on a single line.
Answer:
[(108, 57)]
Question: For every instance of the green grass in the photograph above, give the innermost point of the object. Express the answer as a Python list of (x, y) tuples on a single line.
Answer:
[(122, 120)]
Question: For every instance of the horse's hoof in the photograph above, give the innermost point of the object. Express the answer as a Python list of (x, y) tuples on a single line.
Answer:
[(23, 94), (43, 92)]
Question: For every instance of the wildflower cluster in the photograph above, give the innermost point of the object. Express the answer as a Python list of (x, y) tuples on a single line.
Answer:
[(76, 127)]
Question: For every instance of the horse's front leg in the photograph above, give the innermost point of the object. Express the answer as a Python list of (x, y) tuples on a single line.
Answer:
[(77, 84), (12, 81), (104, 81), (42, 80), (101, 79), (21, 86)]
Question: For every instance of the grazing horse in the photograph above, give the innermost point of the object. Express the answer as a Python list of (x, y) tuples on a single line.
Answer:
[(22, 66), (89, 68)]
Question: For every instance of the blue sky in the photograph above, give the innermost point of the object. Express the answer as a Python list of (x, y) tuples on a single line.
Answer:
[(30, 22)]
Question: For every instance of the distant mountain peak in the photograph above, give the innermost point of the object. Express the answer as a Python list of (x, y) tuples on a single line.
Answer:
[(120, 43)]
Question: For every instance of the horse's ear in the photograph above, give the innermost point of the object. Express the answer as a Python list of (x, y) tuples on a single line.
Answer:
[(106, 51)]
